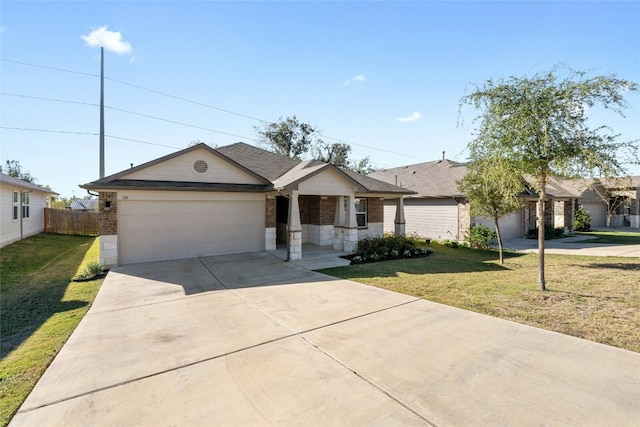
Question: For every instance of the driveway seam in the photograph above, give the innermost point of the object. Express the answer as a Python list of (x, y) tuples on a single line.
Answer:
[(336, 360)]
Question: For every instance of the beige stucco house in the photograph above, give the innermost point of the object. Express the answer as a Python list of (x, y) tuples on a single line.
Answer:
[(22, 206), (202, 201)]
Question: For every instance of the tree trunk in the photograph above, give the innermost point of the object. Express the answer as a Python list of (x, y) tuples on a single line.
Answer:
[(541, 226), (499, 237)]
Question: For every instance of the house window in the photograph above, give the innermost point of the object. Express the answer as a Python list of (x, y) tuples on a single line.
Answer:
[(361, 212), (15, 205), (25, 205)]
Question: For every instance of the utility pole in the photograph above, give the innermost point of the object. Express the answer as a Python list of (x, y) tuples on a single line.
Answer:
[(101, 112)]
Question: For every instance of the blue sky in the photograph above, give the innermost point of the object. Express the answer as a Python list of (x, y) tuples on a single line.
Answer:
[(384, 76)]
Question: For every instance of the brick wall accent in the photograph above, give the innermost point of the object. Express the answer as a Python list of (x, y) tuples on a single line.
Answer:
[(270, 213), (327, 214), (375, 209), (108, 219), (568, 215), (548, 212)]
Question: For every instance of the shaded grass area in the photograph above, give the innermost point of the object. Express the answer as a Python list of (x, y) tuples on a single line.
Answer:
[(612, 237), (595, 298), (39, 309)]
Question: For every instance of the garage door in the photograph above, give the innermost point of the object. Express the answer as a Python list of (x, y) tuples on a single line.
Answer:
[(164, 230), (433, 218), (510, 226), (598, 214)]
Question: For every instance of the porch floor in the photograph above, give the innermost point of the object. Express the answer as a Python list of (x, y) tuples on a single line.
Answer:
[(314, 257)]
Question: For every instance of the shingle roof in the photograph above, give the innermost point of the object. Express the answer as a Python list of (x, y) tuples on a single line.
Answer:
[(273, 169), (265, 163), (8, 179), (84, 204), (374, 185), (430, 179)]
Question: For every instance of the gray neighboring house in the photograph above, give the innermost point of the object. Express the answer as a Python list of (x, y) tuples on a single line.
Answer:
[(84, 205), (202, 201), (438, 210)]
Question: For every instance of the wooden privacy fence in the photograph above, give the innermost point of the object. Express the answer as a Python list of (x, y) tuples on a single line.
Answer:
[(62, 221)]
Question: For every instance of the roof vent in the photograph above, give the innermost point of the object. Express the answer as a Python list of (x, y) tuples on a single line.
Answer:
[(200, 166)]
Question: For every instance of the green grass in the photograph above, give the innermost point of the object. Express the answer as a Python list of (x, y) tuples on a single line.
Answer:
[(612, 237), (596, 298), (39, 309)]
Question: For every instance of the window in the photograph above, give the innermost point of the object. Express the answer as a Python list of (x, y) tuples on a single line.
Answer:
[(15, 205), (361, 212), (25, 205)]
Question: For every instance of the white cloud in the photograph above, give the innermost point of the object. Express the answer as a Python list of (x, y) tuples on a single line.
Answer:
[(110, 40), (411, 118), (355, 79)]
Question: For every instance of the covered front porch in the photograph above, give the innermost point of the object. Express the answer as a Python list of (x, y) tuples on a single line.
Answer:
[(300, 223)]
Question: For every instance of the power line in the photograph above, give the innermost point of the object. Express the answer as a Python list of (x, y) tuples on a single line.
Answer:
[(88, 134), (128, 112), (207, 106)]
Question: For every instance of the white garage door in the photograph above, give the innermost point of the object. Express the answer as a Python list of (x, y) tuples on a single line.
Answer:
[(511, 225), (432, 218), (164, 230), (598, 214)]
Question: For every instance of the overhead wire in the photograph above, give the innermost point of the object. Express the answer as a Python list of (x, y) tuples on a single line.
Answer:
[(340, 140)]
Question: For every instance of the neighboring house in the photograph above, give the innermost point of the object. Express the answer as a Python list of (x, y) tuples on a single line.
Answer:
[(610, 202), (84, 205), (22, 209), (202, 201), (438, 210)]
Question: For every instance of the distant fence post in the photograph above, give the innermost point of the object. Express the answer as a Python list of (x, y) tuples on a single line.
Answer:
[(63, 221)]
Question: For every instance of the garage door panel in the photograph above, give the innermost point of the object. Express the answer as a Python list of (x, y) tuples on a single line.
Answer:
[(163, 230), (511, 226)]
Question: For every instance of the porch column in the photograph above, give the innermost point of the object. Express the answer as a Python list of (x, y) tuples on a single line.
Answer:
[(399, 221), (295, 228), (351, 226), (634, 214), (338, 225)]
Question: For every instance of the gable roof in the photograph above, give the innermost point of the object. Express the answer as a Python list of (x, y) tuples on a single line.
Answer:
[(439, 180), (262, 162), (272, 170), (429, 179), (16, 182)]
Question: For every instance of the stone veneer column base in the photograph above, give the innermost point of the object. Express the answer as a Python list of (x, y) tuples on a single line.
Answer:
[(109, 250), (270, 239), (400, 229), (295, 245), (634, 221), (350, 239), (338, 238)]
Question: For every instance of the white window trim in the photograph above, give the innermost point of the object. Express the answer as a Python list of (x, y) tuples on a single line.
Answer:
[(15, 206), (366, 208), (26, 206)]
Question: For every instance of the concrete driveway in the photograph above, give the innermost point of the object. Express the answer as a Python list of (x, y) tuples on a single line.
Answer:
[(249, 340)]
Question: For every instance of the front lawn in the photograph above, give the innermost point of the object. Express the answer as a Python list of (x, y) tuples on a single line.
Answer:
[(611, 237), (596, 298), (39, 309)]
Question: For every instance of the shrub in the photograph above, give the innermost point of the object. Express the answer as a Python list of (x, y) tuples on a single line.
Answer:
[(549, 232), (582, 220), (92, 269), (481, 236), (450, 244), (356, 260)]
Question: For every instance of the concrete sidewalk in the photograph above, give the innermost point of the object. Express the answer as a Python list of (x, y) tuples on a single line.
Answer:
[(250, 340), (577, 245)]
